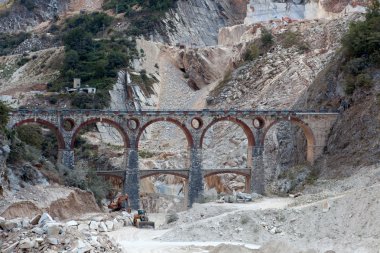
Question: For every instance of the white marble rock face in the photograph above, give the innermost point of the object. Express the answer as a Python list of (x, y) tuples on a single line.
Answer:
[(266, 10)]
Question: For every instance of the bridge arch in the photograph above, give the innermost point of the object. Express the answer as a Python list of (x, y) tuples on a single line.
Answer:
[(116, 125), (51, 126), (246, 129), (247, 176), (185, 130), (309, 135), (150, 174), (232, 171)]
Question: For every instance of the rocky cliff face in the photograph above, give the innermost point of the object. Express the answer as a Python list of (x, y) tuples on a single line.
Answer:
[(263, 10), (20, 17), (197, 22), (353, 140), (277, 80)]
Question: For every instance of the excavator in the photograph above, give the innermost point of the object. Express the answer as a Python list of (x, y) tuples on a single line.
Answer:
[(117, 204), (140, 219)]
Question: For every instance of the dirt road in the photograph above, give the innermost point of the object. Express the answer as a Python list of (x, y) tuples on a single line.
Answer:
[(134, 240)]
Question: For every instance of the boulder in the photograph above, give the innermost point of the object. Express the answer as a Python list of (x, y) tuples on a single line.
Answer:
[(2, 222), (25, 223), (102, 227), (53, 229), (109, 225), (94, 225), (35, 219), (71, 223), (26, 244), (10, 249), (9, 225), (45, 217), (38, 231), (53, 240), (117, 225), (82, 227)]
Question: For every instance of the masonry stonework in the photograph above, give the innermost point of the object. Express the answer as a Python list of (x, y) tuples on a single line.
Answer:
[(66, 125)]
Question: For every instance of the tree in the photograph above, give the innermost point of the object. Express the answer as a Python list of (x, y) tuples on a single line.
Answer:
[(363, 37), (4, 115)]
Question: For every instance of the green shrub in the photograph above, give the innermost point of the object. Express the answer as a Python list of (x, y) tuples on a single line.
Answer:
[(146, 153), (363, 37), (4, 115), (364, 80), (355, 66), (31, 135), (251, 53), (289, 39), (8, 42), (29, 4), (361, 47), (96, 62), (22, 61), (349, 84), (145, 19), (266, 38)]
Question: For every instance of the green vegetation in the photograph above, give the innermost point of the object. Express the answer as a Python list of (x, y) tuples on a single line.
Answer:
[(146, 154), (252, 52), (144, 81), (145, 15), (87, 179), (289, 39), (8, 42), (29, 4), (4, 115), (93, 59), (30, 142), (266, 38), (361, 47), (259, 47)]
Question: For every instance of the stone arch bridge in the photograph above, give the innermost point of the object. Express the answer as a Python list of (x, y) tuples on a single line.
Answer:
[(66, 125)]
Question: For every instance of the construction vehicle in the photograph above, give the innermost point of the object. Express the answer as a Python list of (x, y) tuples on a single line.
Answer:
[(141, 219), (117, 204)]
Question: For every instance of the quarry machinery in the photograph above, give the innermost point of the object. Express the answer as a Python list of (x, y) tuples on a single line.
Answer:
[(141, 219)]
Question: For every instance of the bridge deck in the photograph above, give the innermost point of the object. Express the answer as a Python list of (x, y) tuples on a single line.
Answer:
[(174, 112)]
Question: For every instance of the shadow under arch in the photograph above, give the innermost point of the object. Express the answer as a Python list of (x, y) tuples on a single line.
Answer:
[(186, 131), (118, 127), (310, 138), (51, 126)]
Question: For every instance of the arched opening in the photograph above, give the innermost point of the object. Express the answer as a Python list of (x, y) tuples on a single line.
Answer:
[(115, 188), (47, 125), (227, 182), (163, 148), (163, 122), (105, 125), (288, 153), (163, 192), (35, 145), (99, 146), (227, 145)]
